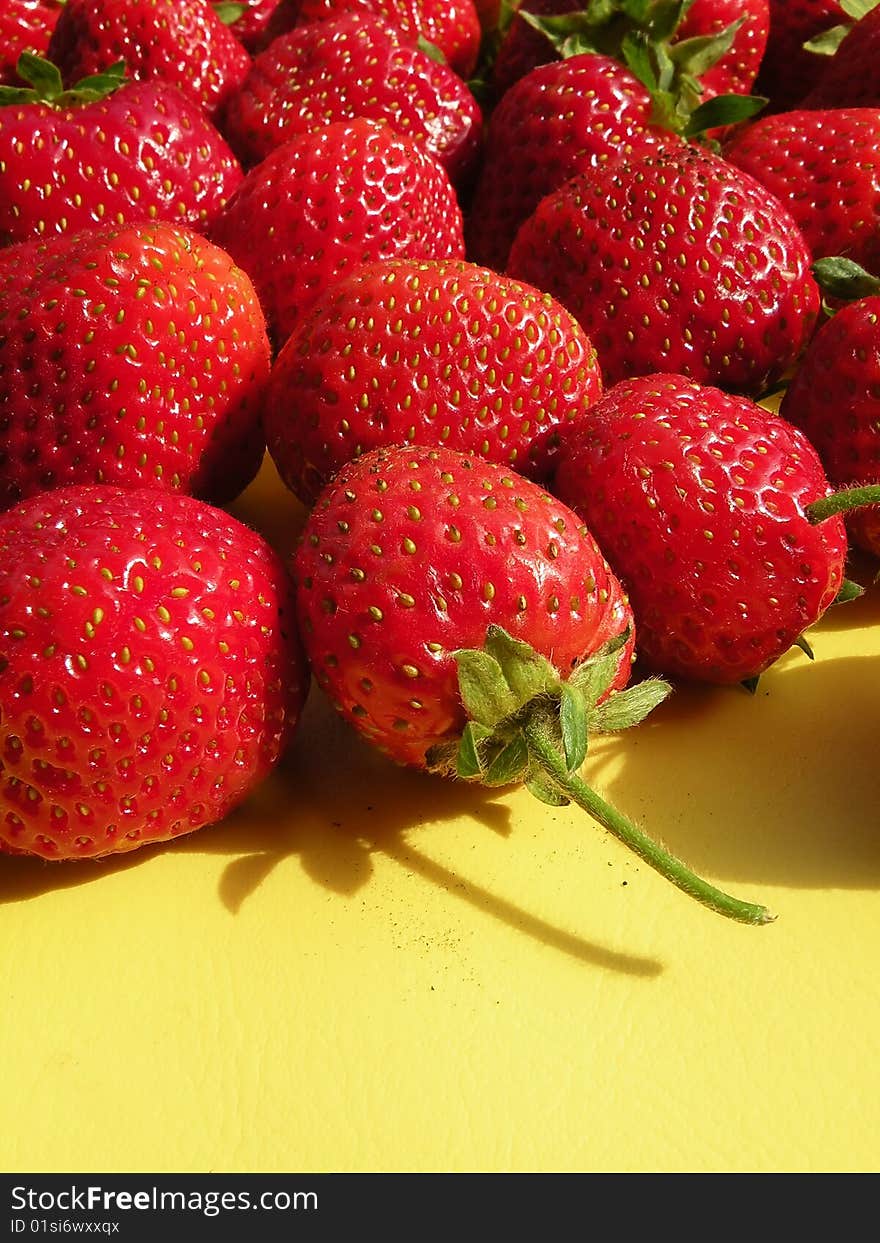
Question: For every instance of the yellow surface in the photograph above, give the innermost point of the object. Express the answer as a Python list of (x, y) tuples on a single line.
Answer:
[(369, 969)]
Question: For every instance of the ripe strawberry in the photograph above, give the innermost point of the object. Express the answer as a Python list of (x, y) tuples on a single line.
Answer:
[(850, 79), (788, 70), (452, 26), (133, 355), (562, 118), (329, 200), (675, 262), (180, 41), (433, 587), (248, 25), (699, 500), (353, 66), (834, 396), (426, 352), (72, 159), (25, 26), (150, 674), (825, 167), (523, 47)]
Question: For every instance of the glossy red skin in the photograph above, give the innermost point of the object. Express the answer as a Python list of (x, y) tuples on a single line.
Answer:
[(136, 356), (144, 152), (353, 65), (850, 78), (25, 26), (524, 47), (675, 262), (180, 41), (825, 166), (150, 672), (697, 498), (562, 118), (435, 352), (834, 396), (440, 545), (451, 25), (788, 72), (332, 199), (250, 28)]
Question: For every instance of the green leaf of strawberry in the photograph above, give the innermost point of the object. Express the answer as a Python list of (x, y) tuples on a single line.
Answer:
[(46, 86)]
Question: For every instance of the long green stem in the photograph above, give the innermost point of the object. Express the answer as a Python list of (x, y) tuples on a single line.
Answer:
[(842, 502), (542, 749)]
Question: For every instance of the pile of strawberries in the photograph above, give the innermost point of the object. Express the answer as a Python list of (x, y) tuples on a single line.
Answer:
[(501, 290)]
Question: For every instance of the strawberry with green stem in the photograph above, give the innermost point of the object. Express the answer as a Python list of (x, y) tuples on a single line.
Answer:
[(466, 623), (104, 150), (150, 671), (834, 394), (25, 26), (717, 517)]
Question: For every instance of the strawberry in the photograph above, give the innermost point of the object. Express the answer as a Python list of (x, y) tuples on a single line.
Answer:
[(675, 262), (789, 70), (25, 26), (350, 66), (452, 26), (150, 673), (180, 41), (433, 588), (247, 21), (426, 352), (134, 355), (700, 500), (850, 79), (105, 150), (824, 165), (834, 396), (570, 24), (330, 199), (562, 118)]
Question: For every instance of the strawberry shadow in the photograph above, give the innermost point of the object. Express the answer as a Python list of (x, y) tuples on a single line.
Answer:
[(777, 788), (332, 805)]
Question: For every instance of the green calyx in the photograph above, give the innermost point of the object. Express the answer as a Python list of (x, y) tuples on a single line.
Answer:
[(641, 35), (844, 280), (529, 725), (228, 12), (827, 42), (44, 84)]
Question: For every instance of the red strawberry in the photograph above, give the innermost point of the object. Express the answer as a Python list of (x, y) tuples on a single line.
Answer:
[(433, 587), (329, 200), (150, 674), (563, 118), (431, 352), (523, 47), (25, 26), (452, 26), (180, 41), (129, 355), (248, 25), (69, 160), (675, 262), (825, 167), (850, 78), (699, 500), (353, 66), (788, 70), (834, 396)]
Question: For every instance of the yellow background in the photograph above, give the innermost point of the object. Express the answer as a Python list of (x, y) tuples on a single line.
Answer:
[(367, 969)]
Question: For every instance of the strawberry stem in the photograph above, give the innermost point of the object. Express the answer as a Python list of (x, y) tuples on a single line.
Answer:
[(573, 787), (842, 502)]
